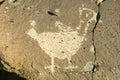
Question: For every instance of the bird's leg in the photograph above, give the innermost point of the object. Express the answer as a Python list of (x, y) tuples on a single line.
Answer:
[(52, 65), (70, 66)]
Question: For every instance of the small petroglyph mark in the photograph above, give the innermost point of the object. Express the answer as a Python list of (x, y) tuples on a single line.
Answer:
[(57, 10), (6, 8), (71, 67), (33, 23)]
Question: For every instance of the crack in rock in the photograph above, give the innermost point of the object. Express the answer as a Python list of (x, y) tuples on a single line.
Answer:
[(93, 37)]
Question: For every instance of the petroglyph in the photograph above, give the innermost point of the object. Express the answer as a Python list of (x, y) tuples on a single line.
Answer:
[(64, 43), (33, 23), (57, 10), (93, 18)]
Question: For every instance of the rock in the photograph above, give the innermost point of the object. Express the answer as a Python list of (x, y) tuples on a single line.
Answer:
[(51, 40)]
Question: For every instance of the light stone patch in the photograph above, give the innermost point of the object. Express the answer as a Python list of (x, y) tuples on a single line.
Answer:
[(92, 49), (86, 15), (99, 1), (88, 67), (32, 23), (57, 10)]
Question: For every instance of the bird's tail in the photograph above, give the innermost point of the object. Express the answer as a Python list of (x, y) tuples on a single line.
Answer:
[(32, 33)]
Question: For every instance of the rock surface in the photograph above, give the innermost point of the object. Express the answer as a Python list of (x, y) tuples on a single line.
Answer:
[(60, 39), (107, 34)]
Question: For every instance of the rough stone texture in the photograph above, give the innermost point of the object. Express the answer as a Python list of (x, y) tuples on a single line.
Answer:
[(107, 34), (97, 57)]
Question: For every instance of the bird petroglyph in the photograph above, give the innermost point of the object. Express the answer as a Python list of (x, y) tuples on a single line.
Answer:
[(64, 43)]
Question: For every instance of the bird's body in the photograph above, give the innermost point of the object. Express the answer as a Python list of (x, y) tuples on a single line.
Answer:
[(60, 45), (63, 44)]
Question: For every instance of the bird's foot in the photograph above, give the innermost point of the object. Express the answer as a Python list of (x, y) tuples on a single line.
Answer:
[(52, 68), (71, 67)]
